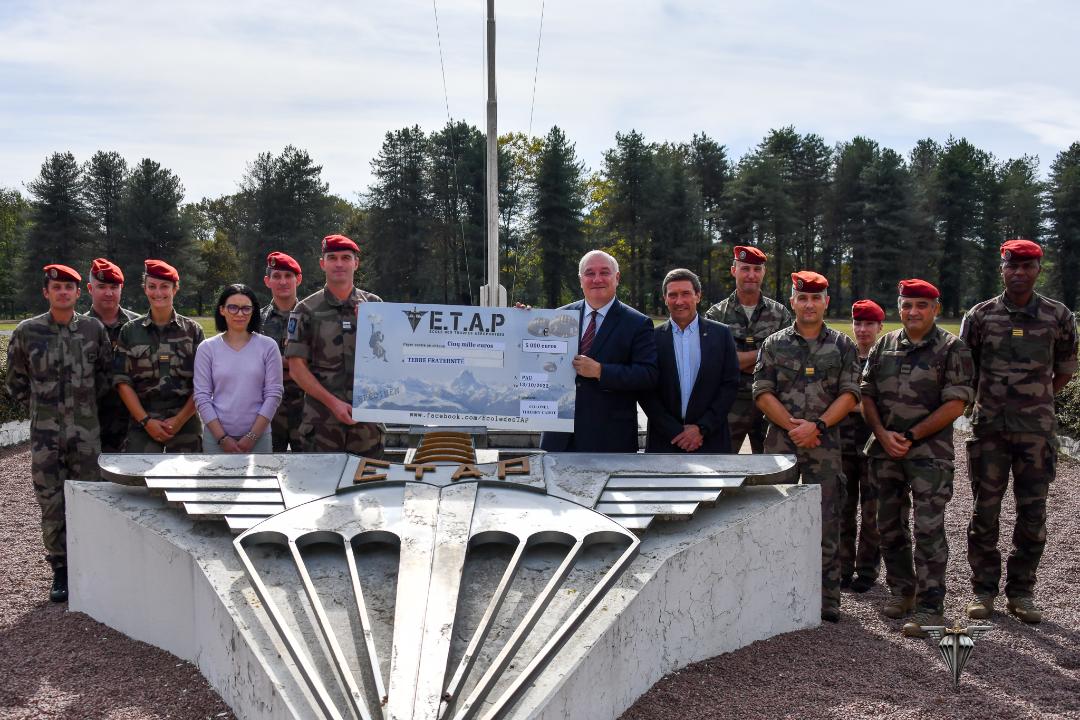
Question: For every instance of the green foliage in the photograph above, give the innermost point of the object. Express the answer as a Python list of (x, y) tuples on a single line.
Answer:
[(9, 409), (14, 226), (1064, 214), (558, 216), (61, 225), (1068, 408)]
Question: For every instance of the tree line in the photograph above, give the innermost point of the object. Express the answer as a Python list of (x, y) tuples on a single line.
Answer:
[(862, 214)]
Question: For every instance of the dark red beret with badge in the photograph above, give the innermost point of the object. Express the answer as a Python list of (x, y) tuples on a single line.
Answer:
[(916, 288), (280, 261), (161, 270), (748, 254), (105, 271), (1020, 249), (338, 243), (809, 281), (62, 273), (867, 310)]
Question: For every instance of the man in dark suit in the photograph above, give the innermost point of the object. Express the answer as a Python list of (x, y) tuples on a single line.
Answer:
[(616, 364), (699, 375)]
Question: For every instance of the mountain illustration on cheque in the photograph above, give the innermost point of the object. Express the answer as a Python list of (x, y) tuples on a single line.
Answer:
[(464, 393)]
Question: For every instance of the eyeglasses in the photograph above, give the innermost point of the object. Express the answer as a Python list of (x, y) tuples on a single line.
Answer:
[(242, 309)]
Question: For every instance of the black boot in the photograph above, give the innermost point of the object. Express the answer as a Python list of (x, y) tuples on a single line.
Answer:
[(59, 592)]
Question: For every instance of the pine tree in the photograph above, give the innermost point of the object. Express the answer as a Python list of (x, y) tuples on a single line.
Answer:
[(557, 218)]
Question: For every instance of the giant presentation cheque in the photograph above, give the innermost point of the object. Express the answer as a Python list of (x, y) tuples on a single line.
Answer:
[(503, 368)]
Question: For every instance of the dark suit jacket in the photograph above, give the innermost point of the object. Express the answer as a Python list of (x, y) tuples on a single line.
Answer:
[(605, 414), (710, 399)]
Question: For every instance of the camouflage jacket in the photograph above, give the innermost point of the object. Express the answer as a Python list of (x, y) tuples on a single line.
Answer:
[(908, 381), (806, 376), (124, 317), (275, 324), (854, 431), (1017, 351), (322, 330), (60, 371), (769, 317), (158, 363)]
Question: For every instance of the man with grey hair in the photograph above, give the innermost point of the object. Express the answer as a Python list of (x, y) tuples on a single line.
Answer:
[(616, 362), (699, 375)]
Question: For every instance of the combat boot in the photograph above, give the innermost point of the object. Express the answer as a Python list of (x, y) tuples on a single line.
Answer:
[(898, 606), (920, 620), (981, 607), (1025, 609), (59, 591)]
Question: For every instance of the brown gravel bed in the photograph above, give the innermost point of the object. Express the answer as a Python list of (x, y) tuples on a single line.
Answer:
[(863, 668), (57, 664)]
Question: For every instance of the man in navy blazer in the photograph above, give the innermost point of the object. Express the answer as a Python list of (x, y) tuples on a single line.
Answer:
[(699, 375), (616, 364)]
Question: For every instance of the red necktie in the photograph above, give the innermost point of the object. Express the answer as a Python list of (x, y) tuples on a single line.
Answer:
[(590, 332)]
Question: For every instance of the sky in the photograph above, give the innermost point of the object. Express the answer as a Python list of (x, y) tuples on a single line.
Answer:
[(204, 86)]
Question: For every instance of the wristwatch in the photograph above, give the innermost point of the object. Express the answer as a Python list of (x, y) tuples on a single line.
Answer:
[(821, 426), (909, 436), (146, 419)]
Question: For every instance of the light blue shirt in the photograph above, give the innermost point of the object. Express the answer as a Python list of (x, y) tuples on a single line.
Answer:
[(687, 358), (600, 314)]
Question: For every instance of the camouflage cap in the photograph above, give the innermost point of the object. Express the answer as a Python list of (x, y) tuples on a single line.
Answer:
[(280, 261), (867, 310), (1020, 249), (809, 281), (62, 273), (106, 271), (916, 288), (748, 254)]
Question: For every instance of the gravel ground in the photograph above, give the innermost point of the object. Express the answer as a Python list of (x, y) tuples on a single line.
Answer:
[(57, 664), (863, 667)]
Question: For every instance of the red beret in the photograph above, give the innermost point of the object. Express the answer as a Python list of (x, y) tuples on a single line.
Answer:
[(748, 254), (1020, 250), (338, 243), (161, 270), (280, 261), (809, 281), (867, 310), (62, 273), (916, 288), (105, 271)]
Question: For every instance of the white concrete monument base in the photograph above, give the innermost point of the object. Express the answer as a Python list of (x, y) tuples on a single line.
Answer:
[(744, 570)]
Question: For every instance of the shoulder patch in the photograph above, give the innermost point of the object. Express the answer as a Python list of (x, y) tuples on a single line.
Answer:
[(292, 325)]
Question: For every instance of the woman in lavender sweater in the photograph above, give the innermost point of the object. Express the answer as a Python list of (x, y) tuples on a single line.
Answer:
[(237, 377)]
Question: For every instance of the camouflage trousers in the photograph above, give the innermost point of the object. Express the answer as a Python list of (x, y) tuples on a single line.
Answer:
[(858, 518), (113, 418), (1033, 459), (285, 427), (360, 439), (188, 440), (744, 419), (819, 466), (56, 457), (921, 488)]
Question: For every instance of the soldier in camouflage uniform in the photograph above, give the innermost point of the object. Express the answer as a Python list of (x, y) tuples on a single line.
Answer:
[(806, 381), (105, 286), (1024, 346), (282, 277), (321, 349), (917, 381), (751, 317), (154, 369), (58, 365), (860, 549)]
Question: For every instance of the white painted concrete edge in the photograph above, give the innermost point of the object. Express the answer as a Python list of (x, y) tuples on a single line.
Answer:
[(14, 432)]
